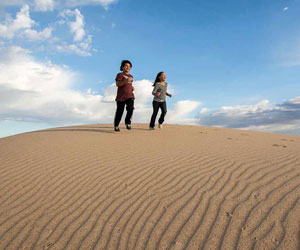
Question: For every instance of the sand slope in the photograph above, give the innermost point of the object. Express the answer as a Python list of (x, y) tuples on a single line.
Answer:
[(184, 187)]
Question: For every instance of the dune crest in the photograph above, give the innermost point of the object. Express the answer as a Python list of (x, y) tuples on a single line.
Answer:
[(183, 187)]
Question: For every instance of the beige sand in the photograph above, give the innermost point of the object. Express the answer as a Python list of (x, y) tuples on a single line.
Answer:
[(183, 187)]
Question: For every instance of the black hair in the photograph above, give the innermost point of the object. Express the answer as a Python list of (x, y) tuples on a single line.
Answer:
[(123, 64), (157, 78)]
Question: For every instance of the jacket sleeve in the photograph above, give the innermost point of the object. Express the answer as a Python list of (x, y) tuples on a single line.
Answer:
[(154, 90), (119, 77)]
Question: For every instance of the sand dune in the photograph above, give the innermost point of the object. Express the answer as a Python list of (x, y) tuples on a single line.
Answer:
[(183, 187)]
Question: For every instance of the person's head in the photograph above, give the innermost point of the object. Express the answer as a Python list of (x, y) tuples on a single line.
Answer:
[(161, 77), (125, 66)]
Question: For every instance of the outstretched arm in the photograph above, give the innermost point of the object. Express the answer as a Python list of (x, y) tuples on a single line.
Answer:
[(169, 95)]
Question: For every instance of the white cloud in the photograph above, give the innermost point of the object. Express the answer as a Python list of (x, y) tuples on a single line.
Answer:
[(203, 111), (72, 49), (81, 41), (43, 91), (76, 27), (86, 44), (44, 5), (23, 19), (21, 26), (181, 112), (262, 116), (32, 75), (239, 110), (143, 99), (11, 27), (34, 35), (285, 8)]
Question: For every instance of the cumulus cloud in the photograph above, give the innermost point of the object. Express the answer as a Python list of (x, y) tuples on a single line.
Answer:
[(43, 91), (11, 27), (77, 26), (181, 112), (262, 116), (72, 49), (22, 26), (34, 35), (81, 41), (44, 5)]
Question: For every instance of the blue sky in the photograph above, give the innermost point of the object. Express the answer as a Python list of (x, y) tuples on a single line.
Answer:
[(229, 64)]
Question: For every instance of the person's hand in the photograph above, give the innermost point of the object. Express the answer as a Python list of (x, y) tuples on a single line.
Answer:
[(170, 95), (132, 88), (128, 79), (158, 93)]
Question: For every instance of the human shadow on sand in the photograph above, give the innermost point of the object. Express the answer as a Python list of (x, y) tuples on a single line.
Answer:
[(75, 130), (139, 128), (132, 128), (122, 128)]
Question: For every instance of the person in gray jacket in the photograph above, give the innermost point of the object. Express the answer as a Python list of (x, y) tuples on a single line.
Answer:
[(159, 101)]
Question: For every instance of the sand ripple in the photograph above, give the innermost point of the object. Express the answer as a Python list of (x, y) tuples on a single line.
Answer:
[(184, 187)]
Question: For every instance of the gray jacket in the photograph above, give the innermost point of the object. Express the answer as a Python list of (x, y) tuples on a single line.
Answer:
[(163, 92)]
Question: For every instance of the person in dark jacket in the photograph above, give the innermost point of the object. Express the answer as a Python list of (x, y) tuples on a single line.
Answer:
[(125, 96)]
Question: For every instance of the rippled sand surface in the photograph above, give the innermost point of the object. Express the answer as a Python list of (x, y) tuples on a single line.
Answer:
[(182, 187)]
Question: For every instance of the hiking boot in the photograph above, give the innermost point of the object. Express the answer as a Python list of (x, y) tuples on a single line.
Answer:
[(128, 126), (117, 129)]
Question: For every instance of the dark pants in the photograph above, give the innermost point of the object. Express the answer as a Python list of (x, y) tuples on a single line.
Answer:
[(156, 106), (120, 109)]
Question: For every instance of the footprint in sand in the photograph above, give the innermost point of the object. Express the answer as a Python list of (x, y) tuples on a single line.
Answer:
[(228, 214), (244, 134), (177, 246), (47, 246), (277, 145)]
